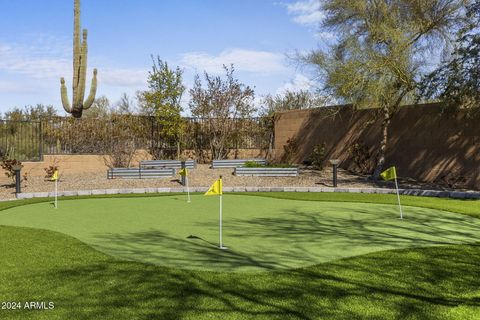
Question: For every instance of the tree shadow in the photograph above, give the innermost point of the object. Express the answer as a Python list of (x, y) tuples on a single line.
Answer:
[(442, 148), (293, 238), (423, 283), (193, 252), (203, 240), (8, 185), (392, 285)]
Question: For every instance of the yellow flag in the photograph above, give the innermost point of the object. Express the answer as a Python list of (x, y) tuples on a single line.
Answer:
[(183, 172), (55, 176), (389, 174), (215, 189)]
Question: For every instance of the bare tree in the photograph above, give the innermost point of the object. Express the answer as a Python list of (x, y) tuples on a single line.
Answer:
[(220, 104)]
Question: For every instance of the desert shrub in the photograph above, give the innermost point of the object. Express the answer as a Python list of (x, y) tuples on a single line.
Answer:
[(50, 170), (120, 154), (452, 180), (7, 165), (252, 164), (363, 158), (318, 156)]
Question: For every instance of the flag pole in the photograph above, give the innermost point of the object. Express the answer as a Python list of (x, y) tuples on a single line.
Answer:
[(221, 209), (398, 197), (56, 193), (221, 240), (188, 189)]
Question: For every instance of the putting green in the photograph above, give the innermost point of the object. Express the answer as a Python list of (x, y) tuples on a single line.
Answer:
[(261, 233)]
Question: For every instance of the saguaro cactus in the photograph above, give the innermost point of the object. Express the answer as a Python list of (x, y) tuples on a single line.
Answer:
[(80, 49)]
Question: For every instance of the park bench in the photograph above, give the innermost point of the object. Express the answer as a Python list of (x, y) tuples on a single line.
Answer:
[(266, 172), (140, 173), (176, 164), (233, 163)]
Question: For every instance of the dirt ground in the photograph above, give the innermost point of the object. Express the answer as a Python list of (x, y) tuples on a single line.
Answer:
[(203, 176)]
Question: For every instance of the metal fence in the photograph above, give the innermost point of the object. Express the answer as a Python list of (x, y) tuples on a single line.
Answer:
[(21, 140), (29, 140)]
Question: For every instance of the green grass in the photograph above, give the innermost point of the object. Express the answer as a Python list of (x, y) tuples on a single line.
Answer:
[(468, 207), (439, 282), (262, 233)]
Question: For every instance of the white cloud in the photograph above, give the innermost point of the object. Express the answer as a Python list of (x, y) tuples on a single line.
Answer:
[(306, 12), (260, 62), (16, 87), (123, 77), (31, 61), (45, 58), (298, 83)]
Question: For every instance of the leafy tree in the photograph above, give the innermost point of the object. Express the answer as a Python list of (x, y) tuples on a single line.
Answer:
[(144, 109), (293, 100), (457, 80), (220, 104), (381, 50), (31, 113), (162, 99)]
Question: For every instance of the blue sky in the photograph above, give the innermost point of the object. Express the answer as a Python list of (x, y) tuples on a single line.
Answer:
[(197, 35)]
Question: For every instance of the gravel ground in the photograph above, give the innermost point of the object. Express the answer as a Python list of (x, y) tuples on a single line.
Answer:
[(203, 176)]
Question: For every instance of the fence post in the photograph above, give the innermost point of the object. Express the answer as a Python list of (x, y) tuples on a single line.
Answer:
[(40, 133), (152, 142)]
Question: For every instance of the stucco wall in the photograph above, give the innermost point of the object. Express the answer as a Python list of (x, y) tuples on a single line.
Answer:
[(425, 142), (77, 164)]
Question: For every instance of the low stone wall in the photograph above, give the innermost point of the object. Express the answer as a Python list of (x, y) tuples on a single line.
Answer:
[(410, 192)]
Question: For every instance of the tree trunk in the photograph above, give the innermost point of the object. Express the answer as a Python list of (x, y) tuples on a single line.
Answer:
[(383, 144)]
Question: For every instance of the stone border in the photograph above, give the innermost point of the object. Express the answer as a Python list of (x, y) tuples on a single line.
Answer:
[(411, 192)]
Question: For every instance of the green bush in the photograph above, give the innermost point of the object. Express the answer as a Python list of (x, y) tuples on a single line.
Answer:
[(253, 164), (363, 158), (318, 156)]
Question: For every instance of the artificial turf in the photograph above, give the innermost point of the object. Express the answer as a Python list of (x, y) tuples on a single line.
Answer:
[(261, 233), (439, 282)]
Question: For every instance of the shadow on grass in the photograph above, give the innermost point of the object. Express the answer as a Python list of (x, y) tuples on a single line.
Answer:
[(422, 283), (193, 252), (293, 238), (419, 228)]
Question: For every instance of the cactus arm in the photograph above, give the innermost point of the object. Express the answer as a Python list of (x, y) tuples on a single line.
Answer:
[(93, 91), (83, 70), (64, 94)]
